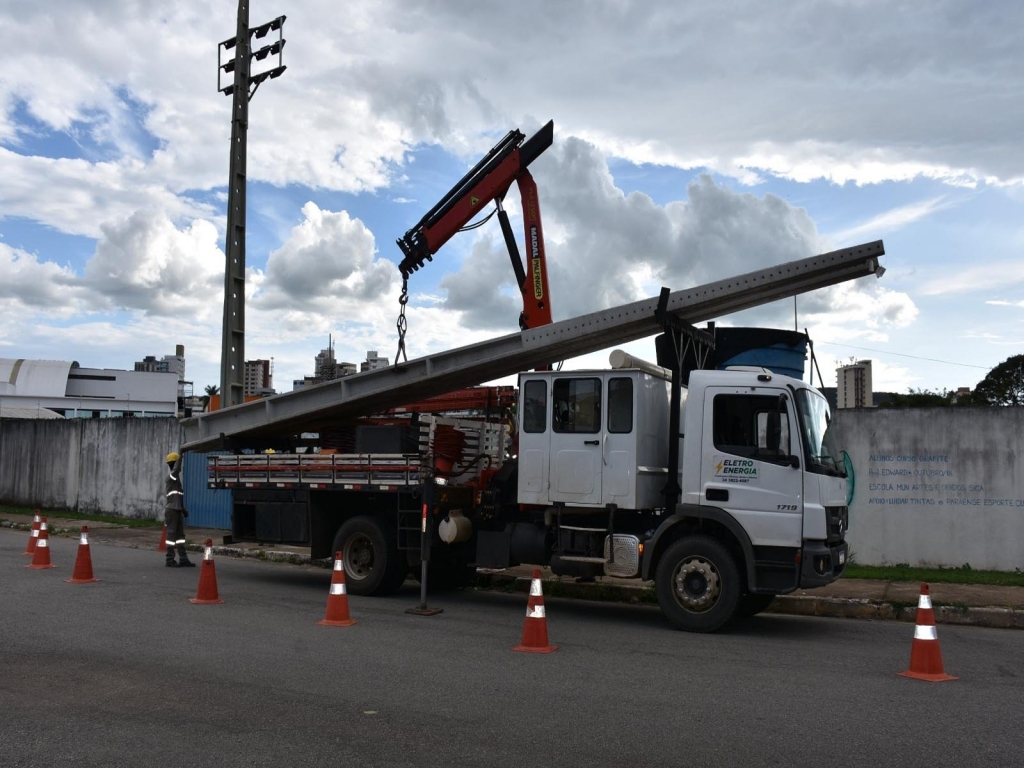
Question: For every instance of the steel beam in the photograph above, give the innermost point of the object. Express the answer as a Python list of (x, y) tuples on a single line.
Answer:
[(373, 391)]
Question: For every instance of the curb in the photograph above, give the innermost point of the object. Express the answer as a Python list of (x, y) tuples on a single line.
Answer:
[(792, 605)]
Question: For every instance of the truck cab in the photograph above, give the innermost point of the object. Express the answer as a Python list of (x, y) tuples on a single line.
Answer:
[(767, 459), (762, 509)]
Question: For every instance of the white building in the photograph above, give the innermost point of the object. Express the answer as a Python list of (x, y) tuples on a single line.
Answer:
[(75, 392), (853, 385), (373, 361), (169, 364), (258, 378)]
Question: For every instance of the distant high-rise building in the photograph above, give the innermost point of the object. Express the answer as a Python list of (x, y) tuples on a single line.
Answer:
[(373, 361), (853, 385), (176, 362), (259, 377), (327, 368), (325, 365)]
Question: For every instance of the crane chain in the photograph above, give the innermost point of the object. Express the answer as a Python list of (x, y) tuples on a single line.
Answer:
[(402, 323)]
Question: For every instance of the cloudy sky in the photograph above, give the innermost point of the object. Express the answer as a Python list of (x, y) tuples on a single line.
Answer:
[(692, 141)]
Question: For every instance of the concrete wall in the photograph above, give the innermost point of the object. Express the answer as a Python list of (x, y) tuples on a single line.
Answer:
[(936, 486), (109, 466), (932, 486)]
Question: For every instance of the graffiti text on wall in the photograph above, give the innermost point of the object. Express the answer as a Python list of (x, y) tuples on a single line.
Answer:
[(925, 480)]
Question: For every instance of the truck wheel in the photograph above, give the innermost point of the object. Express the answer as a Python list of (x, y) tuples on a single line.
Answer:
[(373, 565), (752, 604), (698, 584)]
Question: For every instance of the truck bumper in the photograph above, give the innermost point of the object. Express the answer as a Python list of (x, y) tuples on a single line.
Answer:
[(822, 564)]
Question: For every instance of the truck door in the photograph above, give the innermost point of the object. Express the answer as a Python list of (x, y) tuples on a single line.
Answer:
[(742, 473), (534, 441), (576, 434)]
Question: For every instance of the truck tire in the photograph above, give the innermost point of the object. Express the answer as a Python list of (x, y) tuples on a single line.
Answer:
[(373, 564), (698, 584), (753, 604)]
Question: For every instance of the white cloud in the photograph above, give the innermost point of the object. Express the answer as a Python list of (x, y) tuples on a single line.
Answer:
[(615, 248), (889, 221), (977, 278), (999, 303), (146, 263), (77, 197), (329, 256), (739, 88), (26, 282)]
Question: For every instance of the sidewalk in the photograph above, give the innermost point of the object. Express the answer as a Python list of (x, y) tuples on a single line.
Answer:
[(969, 604)]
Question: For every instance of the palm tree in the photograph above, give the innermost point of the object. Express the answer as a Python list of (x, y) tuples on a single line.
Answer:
[(211, 390)]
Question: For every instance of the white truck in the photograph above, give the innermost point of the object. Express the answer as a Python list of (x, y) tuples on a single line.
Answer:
[(725, 492), (762, 509)]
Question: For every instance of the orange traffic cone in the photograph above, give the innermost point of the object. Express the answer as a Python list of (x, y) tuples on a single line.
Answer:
[(337, 601), (535, 628), (925, 656), (34, 536), (206, 593), (83, 563), (41, 557), (163, 540)]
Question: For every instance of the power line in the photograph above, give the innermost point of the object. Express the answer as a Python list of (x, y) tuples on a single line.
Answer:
[(901, 354)]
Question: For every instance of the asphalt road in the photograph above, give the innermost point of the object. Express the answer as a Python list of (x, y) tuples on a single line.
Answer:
[(127, 672)]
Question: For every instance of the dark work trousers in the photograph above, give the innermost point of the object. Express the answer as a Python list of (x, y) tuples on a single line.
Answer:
[(175, 535)]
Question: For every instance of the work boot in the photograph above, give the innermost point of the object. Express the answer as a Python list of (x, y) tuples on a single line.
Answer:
[(171, 564), (186, 563)]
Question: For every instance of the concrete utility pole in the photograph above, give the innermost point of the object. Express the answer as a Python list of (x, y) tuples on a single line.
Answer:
[(243, 87)]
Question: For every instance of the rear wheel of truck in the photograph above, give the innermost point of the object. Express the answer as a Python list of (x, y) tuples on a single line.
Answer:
[(698, 584), (373, 564), (752, 604)]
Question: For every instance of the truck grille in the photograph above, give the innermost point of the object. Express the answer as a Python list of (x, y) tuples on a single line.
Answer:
[(838, 523)]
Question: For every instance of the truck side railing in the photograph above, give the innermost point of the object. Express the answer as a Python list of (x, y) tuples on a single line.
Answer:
[(377, 471)]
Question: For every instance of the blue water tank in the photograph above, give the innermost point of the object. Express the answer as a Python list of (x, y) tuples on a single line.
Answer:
[(782, 352)]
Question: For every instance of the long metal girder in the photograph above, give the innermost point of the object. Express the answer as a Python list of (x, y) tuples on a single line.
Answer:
[(373, 391)]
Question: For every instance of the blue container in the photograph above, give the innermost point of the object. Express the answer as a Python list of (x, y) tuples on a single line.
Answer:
[(781, 352), (207, 507)]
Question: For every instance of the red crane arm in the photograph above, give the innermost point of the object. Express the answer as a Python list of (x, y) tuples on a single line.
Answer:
[(489, 181)]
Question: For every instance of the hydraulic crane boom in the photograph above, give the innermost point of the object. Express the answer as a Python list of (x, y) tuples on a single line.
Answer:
[(374, 391), (488, 181)]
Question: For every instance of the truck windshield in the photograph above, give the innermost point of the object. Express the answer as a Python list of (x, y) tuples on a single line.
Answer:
[(819, 441)]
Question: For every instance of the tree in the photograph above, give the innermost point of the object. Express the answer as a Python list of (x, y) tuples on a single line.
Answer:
[(1004, 384), (918, 398), (211, 390), (923, 398)]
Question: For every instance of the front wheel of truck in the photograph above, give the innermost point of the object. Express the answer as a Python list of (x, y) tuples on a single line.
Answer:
[(698, 584), (373, 565)]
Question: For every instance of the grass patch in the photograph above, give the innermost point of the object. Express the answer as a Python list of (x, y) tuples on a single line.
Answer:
[(127, 522), (962, 575)]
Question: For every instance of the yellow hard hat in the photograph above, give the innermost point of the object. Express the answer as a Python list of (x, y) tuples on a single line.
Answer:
[(172, 457)]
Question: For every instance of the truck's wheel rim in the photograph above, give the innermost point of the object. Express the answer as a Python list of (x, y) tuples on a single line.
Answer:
[(358, 556), (697, 584)]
